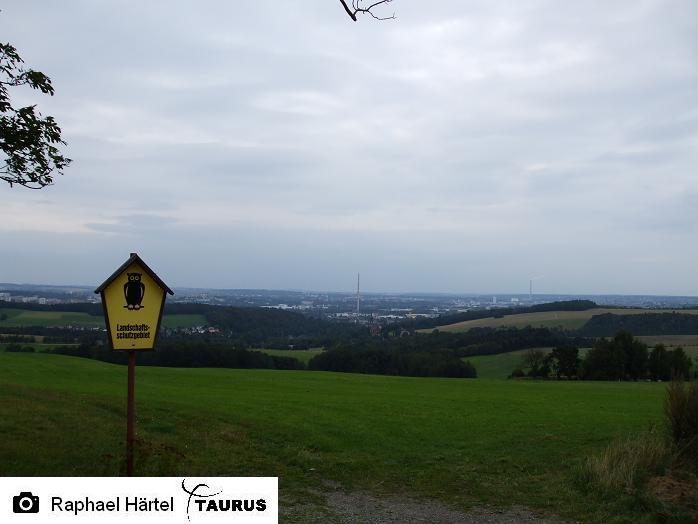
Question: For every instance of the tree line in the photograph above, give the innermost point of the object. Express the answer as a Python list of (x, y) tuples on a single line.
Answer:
[(440, 363), (187, 355), (197, 354), (248, 326), (622, 357), (435, 354), (475, 341), (645, 324)]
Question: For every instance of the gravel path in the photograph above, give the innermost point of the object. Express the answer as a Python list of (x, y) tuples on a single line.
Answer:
[(363, 508)]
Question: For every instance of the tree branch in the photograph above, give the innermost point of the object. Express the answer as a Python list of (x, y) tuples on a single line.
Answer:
[(357, 7), (28, 140), (349, 11)]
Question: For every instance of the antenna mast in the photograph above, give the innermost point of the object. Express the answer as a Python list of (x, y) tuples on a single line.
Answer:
[(358, 294)]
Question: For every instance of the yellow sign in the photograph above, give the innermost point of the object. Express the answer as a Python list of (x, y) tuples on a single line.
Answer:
[(133, 299)]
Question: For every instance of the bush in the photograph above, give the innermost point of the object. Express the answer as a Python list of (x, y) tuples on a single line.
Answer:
[(650, 472), (16, 348), (622, 358), (681, 415), (625, 465)]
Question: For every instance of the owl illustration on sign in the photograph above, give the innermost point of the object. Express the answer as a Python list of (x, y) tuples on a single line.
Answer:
[(134, 291)]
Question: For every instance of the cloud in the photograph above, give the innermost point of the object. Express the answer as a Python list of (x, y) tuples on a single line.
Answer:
[(460, 136)]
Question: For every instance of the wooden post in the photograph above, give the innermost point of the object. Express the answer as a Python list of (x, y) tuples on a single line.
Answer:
[(130, 411)]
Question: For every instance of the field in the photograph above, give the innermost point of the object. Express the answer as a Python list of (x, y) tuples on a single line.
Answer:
[(688, 342), (550, 319), (22, 318), (183, 321), (304, 355), (38, 346), (464, 442), (498, 366)]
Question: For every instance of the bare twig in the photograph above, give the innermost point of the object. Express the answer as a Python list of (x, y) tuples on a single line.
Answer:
[(358, 6)]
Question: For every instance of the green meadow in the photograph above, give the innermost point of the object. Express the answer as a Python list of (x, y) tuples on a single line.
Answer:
[(38, 346), (304, 355), (183, 321), (12, 317), (551, 319), (464, 442), (498, 366)]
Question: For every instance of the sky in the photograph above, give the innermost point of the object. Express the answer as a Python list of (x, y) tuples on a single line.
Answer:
[(468, 146)]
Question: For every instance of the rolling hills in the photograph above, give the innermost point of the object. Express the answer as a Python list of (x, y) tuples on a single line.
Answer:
[(20, 317), (551, 319)]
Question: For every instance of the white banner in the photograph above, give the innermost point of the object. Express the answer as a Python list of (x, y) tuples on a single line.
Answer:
[(111, 500)]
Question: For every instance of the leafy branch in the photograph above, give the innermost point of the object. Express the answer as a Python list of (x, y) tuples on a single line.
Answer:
[(28, 140)]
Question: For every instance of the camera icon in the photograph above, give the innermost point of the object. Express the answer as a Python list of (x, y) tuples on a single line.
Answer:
[(25, 502)]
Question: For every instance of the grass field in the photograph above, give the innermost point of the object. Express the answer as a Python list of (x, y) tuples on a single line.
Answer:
[(38, 346), (23, 318), (465, 442), (498, 366), (304, 355), (550, 319), (183, 321), (26, 318)]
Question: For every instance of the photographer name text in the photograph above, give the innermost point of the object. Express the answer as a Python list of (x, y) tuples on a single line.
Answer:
[(117, 504), (139, 500)]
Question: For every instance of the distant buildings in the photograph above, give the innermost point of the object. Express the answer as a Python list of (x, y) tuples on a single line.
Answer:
[(29, 299)]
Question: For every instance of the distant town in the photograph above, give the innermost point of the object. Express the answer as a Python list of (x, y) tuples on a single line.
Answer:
[(343, 306)]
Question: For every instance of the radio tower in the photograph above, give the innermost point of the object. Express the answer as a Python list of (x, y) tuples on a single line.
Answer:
[(358, 295)]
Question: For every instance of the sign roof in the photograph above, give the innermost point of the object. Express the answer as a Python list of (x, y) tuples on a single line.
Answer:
[(134, 258), (133, 299)]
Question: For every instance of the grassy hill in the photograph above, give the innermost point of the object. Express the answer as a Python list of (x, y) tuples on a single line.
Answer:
[(551, 319), (464, 442), (16, 317)]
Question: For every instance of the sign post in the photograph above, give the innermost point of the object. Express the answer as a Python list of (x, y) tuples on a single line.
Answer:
[(130, 411), (133, 298)]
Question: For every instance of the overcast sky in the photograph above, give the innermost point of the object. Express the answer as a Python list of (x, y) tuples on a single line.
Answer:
[(467, 146)]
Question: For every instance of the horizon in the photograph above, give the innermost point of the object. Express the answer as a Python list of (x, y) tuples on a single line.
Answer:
[(371, 292)]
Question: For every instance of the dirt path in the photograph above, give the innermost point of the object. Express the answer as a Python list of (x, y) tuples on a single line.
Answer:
[(363, 508)]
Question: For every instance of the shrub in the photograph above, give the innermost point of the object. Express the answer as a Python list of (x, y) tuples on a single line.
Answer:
[(681, 415), (625, 465)]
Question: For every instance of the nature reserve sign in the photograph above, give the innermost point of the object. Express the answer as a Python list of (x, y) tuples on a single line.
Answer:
[(133, 298)]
